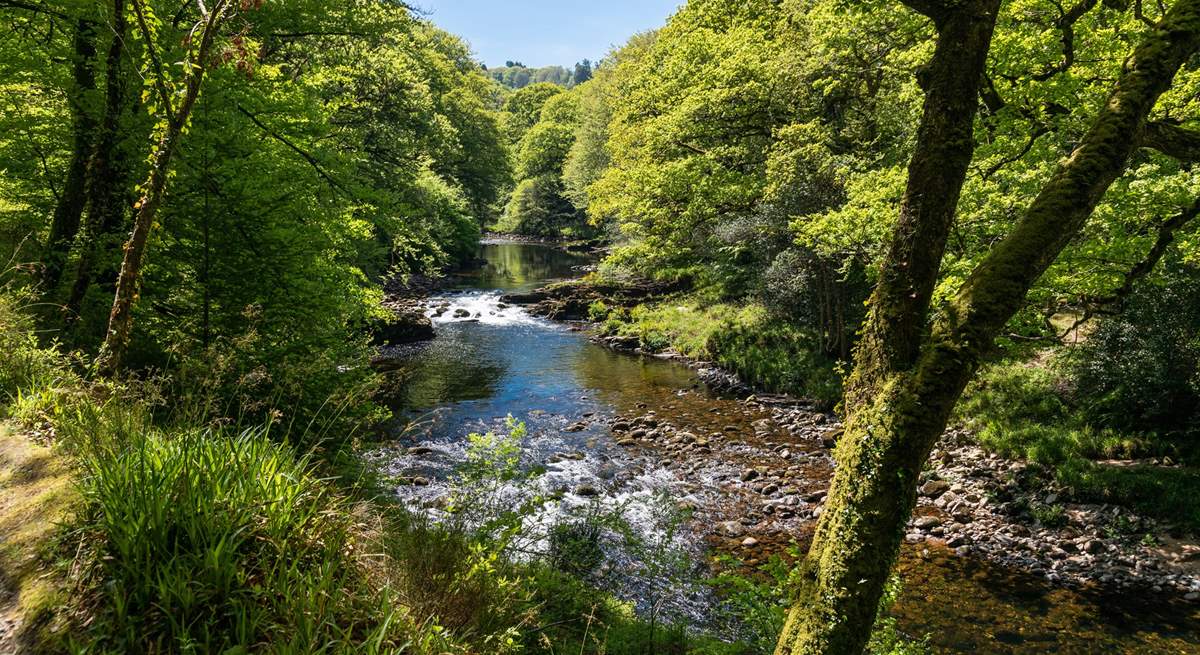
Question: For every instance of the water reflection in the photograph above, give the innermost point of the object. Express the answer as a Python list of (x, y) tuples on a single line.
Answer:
[(522, 266)]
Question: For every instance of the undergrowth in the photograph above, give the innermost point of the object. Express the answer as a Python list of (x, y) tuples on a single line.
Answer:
[(746, 340), (1025, 409)]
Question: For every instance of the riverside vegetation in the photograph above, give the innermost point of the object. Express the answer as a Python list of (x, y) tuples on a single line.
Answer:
[(879, 207)]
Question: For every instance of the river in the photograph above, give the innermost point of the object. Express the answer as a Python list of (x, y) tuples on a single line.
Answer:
[(490, 360)]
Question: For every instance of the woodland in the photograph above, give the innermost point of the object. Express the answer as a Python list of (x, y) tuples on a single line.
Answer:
[(922, 217)]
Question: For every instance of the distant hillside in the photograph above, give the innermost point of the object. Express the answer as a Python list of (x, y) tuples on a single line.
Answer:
[(516, 75)]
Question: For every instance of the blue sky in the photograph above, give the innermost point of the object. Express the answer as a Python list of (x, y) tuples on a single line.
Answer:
[(546, 32)]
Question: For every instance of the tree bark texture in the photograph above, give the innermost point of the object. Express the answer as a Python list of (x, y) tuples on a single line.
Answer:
[(120, 319)]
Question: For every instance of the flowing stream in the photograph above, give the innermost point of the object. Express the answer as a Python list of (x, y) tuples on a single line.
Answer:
[(491, 360)]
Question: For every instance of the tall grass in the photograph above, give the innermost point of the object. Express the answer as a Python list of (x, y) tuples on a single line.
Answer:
[(203, 541)]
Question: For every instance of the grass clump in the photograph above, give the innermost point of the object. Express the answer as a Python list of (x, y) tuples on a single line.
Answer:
[(1027, 410), (203, 541)]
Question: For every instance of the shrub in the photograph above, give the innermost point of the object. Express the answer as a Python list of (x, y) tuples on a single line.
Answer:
[(24, 364), (1140, 370)]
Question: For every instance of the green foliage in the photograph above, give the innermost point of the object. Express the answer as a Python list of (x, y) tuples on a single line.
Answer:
[(757, 602), (537, 207), (523, 109), (1024, 410), (1139, 371), (24, 364), (514, 75), (201, 541), (745, 340), (349, 143)]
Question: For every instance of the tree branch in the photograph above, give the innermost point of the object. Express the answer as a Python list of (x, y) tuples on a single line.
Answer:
[(312, 161), (1172, 140), (29, 6), (160, 76), (1166, 236), (1066, 25), (934, 9)]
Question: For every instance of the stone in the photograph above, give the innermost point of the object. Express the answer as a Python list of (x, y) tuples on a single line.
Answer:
[(934, 488), (731, 529), (749, 542), (926, 522), (402, 327), (749, 475)]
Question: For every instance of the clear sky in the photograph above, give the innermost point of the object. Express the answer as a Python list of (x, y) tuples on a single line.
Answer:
[(545, 32)]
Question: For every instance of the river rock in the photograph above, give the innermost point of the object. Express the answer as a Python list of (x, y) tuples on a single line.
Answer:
[(926, 522), (405, 325), (731, 529), (934, 488)]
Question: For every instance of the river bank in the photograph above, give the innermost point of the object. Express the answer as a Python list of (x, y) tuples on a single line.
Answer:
[(774, 474), (972, 502)]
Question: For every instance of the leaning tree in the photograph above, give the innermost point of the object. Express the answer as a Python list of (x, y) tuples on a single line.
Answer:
[(914, 359)]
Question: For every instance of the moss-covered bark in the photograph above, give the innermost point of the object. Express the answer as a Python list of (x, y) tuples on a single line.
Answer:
[(899, 408), (891, 339)]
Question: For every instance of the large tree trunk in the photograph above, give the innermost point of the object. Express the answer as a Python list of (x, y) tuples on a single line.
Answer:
[(899, 413), (108, 173), (69, 210), (846, 583)]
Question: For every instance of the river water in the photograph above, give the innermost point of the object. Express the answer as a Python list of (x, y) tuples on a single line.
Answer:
[(490, 361)]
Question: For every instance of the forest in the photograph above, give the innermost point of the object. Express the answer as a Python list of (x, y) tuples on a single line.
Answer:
[(788, 326)]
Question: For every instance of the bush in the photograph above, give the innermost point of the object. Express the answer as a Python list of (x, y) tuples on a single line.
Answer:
[(209, 542), (1140, 370), (24, 364), (746, 340)]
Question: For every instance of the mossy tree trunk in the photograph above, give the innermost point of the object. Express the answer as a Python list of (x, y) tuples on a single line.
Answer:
[(108, 171), (907, 379), (68, 212)]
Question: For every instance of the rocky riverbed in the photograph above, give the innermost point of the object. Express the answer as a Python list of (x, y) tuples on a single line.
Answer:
[(975, 503), (772, 482)]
